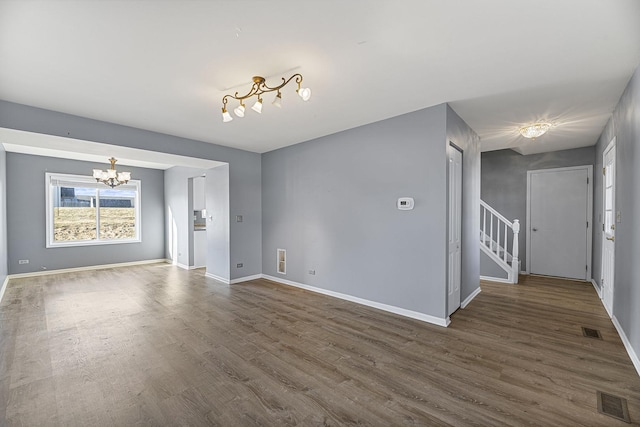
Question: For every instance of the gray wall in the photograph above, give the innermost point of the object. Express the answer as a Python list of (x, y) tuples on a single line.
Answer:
[(465, 138), (3, 216), (504, 182), (625, 126), (490, 269), (26, 202), (331, 203), (244, 167)]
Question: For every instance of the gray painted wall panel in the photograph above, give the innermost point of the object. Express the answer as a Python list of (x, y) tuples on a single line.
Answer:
[(244, 170), (465, 138), (625, 126), (27, 218), (331, 203), (3, 217), (504, 181), (490, 269)]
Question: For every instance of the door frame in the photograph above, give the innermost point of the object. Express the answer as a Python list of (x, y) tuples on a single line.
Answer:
[(610, 146), (589, 169), (449, 225)]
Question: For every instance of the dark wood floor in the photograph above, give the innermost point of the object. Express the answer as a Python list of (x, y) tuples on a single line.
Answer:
[(156, 345)]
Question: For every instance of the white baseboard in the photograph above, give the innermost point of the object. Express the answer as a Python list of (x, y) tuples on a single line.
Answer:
[(595, 286), (184, 266), (218, 278), (390, 308), (495, 279), (627, 344), (468, 299), (4, 287), (86, 268), (245, 279)]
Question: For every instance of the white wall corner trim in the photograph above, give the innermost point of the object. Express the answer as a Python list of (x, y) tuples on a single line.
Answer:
[(385, 307), (627, 344), (86, 268), (595, 286), (495, 279), (4, 287), (468, 299), (218, 278), (245, 279)]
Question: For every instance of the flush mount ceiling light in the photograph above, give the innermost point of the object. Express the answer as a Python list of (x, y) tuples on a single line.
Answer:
[(111, 177), (258, 89), (535, 130)]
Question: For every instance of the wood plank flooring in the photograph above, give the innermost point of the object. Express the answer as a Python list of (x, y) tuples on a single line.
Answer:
[(157, 345)]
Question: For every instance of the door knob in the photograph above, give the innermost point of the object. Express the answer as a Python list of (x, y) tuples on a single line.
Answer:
[(612, 238)]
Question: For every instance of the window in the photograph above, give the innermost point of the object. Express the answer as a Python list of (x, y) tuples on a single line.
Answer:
[(81, 211)]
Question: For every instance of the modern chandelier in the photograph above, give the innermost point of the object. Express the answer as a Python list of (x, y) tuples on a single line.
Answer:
[(259, 88), (535, 130), (111, 177)]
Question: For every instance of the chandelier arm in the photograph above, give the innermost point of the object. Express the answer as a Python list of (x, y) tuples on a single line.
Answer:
[(284, 83)]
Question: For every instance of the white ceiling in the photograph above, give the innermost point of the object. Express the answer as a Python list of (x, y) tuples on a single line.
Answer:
[(165, 65)]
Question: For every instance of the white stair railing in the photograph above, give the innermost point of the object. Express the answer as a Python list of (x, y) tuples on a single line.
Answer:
[(499, 240)]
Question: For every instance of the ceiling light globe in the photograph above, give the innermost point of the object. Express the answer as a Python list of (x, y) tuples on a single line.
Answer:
[(226, 117), (535, 130), (239, 110)]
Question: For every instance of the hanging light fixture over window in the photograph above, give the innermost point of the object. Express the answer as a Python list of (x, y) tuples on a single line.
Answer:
[(111, 177), (535, 130), (258, 89)]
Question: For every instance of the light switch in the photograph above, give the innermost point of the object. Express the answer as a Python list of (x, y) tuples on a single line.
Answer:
[(618, 217), (238, 218)]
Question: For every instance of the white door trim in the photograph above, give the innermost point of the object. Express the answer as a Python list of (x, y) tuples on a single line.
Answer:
[(589, 169), (608, 308), (454, 226)]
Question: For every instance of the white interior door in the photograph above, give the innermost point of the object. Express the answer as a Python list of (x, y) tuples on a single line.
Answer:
[(559, 218), (609, 222), (455, 228)]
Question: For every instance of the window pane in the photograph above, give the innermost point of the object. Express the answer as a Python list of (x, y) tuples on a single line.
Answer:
[(74, 214), (117, 214)]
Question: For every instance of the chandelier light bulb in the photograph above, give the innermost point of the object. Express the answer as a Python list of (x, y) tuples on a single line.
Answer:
[(226, 117), (277, 102), (535, 130), (257, 107), (305, 93), (239, 110)]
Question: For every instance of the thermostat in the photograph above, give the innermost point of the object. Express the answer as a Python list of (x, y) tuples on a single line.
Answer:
[(405, 203)]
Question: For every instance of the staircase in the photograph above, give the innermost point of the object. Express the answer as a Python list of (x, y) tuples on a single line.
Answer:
[(499, 240)]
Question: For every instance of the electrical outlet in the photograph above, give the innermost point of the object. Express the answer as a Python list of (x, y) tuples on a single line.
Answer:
[(239, 265), (23, 261), (312, 272)]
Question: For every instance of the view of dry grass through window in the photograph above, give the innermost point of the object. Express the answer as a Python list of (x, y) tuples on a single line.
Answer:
[(79, 223)]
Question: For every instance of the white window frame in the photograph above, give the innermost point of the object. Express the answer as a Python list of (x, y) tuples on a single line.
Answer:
[(91, 182)]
